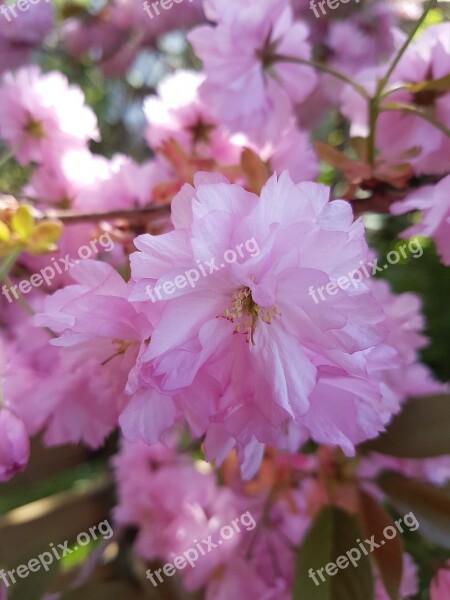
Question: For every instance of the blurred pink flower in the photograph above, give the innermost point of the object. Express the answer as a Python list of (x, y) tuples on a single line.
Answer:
[(14, 445), (244, 85), (440, 586), (178, 112), (43, 116), (434, 203), (398, 132)]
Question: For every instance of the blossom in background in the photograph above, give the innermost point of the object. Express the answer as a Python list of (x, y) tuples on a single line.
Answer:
[(20, 36), (398, 132), (106, 34), (440, 586), (59, 182), (14, 445), (433, 201), (179, 113), (43, 116), (175, 501), (245, 87)]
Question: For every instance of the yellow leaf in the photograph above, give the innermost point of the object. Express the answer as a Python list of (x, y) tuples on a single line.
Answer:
[(44, 236), (5, 234), (22, 222)]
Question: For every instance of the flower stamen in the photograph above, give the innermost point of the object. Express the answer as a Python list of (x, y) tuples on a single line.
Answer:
[(245, 314)]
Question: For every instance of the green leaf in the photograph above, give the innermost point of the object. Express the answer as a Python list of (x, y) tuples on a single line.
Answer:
[(421, 430), (388, 557), (332, 534), (429, 504)]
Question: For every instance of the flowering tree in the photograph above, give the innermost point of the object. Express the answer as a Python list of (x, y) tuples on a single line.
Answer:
[(202, 204)]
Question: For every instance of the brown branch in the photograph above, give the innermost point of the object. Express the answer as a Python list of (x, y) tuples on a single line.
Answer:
[(69, 216)]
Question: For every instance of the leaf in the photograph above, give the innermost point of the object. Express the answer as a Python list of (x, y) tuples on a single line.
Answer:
[(435, 85), (421, 430), (112, 590), (34, 586), (388, 557), (254, 169), (355, 171), (332, 534), (429, 504), (332, 156), (44, 236), (22, 222)]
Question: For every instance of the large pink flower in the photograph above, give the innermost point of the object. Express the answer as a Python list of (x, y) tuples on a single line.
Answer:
[(244, 85), (245, 345)]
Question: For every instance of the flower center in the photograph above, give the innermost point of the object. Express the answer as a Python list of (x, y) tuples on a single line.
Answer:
[(201, 131), (245, 314), (35, 129)]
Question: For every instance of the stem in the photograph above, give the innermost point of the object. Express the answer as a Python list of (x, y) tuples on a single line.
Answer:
[(374, 112), (9, 263), (418, 113), (7, 156), (325, 68), (383, 82), (68, 216), (374, 103), (21, 300)]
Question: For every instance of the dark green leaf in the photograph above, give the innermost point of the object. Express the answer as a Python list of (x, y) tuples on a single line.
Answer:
[(429, 504), (333, 533), (388, 557), (421, 430)]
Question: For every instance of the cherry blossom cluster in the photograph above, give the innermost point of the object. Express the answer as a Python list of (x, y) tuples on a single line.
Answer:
[(237, 393)]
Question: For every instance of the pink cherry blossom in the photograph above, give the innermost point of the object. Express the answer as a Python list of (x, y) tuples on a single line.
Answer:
[(179, 113), (99, 339), (243, 84), (253, 324), (42, 115)]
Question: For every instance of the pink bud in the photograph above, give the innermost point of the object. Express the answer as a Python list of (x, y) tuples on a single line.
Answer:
[(440, 586), (14, 445)]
